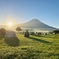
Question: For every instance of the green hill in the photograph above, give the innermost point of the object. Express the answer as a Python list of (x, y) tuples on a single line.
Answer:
[(34, 47)]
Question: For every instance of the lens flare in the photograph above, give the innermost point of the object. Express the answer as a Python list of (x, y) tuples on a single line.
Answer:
[(10, 24)]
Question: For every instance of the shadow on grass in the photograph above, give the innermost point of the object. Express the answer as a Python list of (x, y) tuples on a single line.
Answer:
[(13, 41), (40, 40), (44, 36), (38, 35)]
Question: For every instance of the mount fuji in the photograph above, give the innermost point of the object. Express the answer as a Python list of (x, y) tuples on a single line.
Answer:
[(36, 24)]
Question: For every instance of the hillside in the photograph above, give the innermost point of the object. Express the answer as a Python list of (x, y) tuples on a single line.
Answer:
[(34, 47)]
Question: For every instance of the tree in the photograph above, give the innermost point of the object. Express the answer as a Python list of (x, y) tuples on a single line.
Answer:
[(56, 31), (18, 29), (2, 32)]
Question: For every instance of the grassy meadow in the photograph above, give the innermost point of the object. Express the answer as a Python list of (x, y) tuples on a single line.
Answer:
[(34, 47)]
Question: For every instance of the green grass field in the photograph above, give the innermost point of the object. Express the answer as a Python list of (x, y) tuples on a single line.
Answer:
[(34, 47)]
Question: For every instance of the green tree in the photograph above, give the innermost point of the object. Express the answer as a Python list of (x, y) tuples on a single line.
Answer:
[(18, 29)]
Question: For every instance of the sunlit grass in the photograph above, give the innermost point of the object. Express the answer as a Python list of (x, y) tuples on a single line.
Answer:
[(45, 47)]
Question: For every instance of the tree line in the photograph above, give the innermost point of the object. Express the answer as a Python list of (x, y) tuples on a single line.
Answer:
[(18, 29)]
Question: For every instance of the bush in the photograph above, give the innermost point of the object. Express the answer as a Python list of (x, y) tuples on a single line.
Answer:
[(26, 33), (12, 41), (32, 33), (2, 32), (39, 33), (56, 31)]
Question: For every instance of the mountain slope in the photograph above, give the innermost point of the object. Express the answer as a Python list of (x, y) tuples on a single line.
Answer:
[(36, 24)]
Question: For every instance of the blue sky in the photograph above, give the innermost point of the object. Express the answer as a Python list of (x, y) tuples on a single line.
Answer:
[(21, 11)]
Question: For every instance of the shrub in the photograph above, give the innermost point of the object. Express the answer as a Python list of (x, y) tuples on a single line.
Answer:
[(12, 41), (2, 32), (32, 33), (26, 33), (56, 31), (39, 34)]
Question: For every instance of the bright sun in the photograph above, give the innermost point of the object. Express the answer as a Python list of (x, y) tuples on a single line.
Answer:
[(10, 24)]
